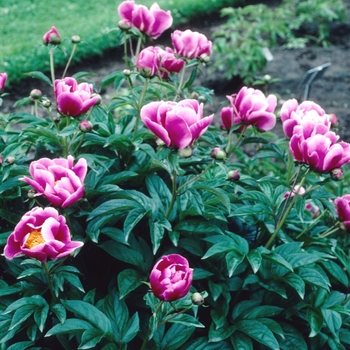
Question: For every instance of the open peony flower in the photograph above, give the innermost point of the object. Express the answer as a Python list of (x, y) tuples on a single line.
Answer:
[(293, 114), (74, 99), (191, 44), (153, 21), (250, 107), (171, 277), (41, 234), (177, 124), (59, 180)]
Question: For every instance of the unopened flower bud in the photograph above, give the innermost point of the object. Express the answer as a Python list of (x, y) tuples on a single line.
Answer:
[(233, 175), (99, 98), (31, 194), (267, 77), (185, 152), (52, 37), (127, 72), (10, 159), (218, 153), (75, 39), (46, 103), (36, 94), (195, 95), (204, 58), (123, 26), (337, 174), (57, 119), (85, 126), (333, 119), (197, 298), (145, 72)]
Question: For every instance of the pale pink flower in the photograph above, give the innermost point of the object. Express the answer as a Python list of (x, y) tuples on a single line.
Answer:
[(52, 37)]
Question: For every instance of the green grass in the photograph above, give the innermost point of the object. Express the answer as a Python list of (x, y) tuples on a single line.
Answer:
[(23, 23)]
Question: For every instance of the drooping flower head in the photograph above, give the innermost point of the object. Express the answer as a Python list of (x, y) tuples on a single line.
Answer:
[(177, 124), (250, 107), (171, 277), (41, 234), (74, 99), (52, 37), (153, 21), (192, 45), (59, 180), (3, 78)]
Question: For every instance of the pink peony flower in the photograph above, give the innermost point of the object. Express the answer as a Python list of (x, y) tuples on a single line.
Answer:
[(296, 189), (250, 107), (58, 179), (191, 45), (171, 277), (41, 234), (74, 99), (3, 78), (52, 37), (318, 148), (176, 124), (342, 207), (152, 22), (293, 114)]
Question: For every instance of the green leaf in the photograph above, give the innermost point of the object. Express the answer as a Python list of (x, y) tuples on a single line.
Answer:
[(254, 258), (47, 133), (186, 320), (60, 312), (112, 206), (40, 76), (302, 259), (131, 329), (202, 343), (262, 311), (259, 332), (90, 338), (296, 282), (21, 345), (292, 338), (196, 226), (315, 318), (21, 315), (219, 334), (132, 219), (90, 313), (313, 277), (159, 191), (333, 321), (157, 233), (215, 289), (336, 271), (117, 77), (233, 260), (243, 306), (128, 280), (222, 247), (176, 336), (240, 341), (30, 272), (70, 326), (277, 259)]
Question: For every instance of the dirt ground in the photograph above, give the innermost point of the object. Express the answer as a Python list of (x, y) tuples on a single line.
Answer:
[(331, 91)]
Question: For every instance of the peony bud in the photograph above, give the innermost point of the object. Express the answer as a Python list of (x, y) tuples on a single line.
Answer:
[(46, 103), (75, 39), (233, 175), (10, 159), (337, 174), (123, 26), (31, 194), (85, 126), (185, 152), (197, 298), (99, 99), (205, 58), (36, 94), (127, 72), (52, 37), (218, 153)]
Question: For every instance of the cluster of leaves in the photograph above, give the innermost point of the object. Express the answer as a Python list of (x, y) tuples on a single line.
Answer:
[(143, 201), (243, 42)]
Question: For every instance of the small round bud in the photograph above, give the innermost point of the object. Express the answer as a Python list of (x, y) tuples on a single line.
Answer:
[(267, 77), (195, 95), (36, 94), (57, 119), (333, 119), (46, 103), (127, 72), (185, 152), (123, 26), (31, 194), (197, 298), (201, 98), (10, 159), (75, 39), (85, 126), (218, 153), (337, 174), (233, 175), (99, 98), (204, 58), (55, 39)]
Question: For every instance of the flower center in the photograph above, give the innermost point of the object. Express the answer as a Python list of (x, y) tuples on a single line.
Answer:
[(35, 238)]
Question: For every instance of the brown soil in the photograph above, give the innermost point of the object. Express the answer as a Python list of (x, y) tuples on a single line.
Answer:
[(331, 91)]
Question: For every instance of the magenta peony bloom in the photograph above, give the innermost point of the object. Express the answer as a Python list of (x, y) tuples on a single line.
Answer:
[(58, 179), (52, 37), (152, 22), (318, 147), (41, 234), (342, 207), (250, 107), (176, 124), (3, 78), (171, 277), (191, 45), (74, 99), (154, 60), (293, 114)]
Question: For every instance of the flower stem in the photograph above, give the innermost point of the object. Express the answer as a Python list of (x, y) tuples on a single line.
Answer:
[(173, 197), (69, 60), (52, 68), (138, 117), (179, 88), (48, 277), (240, 137)]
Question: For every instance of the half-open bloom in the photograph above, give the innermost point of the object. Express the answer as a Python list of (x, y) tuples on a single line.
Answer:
[(296, 189), (250, 107), (191, 45), (153, 21), (52, 37), (177, 124), (342, 207), (41, 234), (171, 277), (293, 114), (3, 78), (74, 99), (59, 180), (318, 148)]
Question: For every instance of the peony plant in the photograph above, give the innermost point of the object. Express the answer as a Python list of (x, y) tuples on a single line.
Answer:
[(146, 222)]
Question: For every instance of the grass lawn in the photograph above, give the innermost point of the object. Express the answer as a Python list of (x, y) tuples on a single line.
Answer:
[(24, 22)]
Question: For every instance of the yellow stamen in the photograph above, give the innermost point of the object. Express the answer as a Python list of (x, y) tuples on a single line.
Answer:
[(35, 238)]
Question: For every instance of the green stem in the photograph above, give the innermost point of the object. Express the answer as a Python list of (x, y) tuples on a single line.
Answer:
[(173, 197), (126, 52), (311, 225), (138, 117), (80, 143), (49, 283), (52, 68), (172, 316), (69, 60), (331, 230), (240, 137), (138, 48), (284, 217), (179, 88)]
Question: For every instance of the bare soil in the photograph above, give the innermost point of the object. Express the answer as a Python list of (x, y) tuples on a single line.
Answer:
[(331, 90)]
